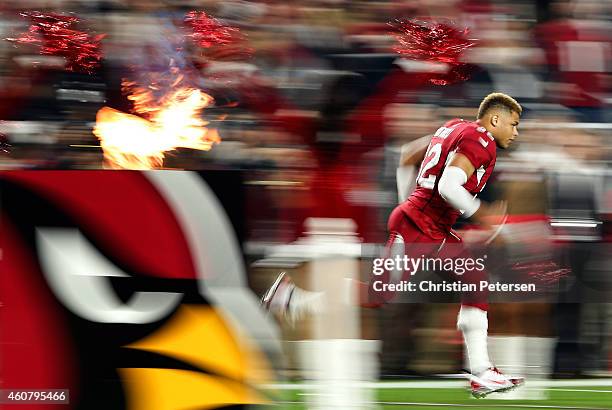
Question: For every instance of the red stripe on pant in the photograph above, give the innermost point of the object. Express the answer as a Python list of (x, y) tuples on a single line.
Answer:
[(417, 244)]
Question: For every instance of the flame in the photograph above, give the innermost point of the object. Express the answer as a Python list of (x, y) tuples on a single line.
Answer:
[(165, 124)]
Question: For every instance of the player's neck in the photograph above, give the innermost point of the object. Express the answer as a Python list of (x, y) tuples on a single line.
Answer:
[(484, 124)]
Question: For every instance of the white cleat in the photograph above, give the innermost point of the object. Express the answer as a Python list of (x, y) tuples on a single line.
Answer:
[(493, 381), (277, 298)]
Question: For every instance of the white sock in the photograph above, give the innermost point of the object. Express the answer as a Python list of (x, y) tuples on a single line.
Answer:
[(474, 324), (304, 302)]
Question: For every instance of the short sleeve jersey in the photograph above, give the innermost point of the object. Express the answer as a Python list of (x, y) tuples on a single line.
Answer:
[(429, 211)]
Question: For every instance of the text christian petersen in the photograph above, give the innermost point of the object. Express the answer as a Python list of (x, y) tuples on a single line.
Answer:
[(398, 266)]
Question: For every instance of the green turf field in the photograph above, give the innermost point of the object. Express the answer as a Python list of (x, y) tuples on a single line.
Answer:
[(566, 397)]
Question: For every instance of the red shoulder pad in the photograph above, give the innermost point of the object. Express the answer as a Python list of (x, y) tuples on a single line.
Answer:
[(478, 145)]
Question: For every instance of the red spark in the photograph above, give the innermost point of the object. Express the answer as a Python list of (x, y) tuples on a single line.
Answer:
[(56, 35), (434, 42)]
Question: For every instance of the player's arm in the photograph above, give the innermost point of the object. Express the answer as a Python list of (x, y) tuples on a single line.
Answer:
[(450, 187), (412, 155), (414, 152)]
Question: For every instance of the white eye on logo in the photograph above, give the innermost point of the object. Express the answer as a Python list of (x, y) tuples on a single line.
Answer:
[(77, 274)]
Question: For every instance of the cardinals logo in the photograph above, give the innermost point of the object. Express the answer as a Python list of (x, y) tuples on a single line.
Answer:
[(118, 286)]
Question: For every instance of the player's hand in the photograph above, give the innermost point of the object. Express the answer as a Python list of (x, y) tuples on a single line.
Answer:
[(491, 215)]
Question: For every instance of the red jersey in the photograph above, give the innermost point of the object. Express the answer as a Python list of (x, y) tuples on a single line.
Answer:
[(429, 211)]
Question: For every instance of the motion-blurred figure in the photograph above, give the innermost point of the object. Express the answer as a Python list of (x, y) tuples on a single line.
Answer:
[(457, 165), (576, 42)]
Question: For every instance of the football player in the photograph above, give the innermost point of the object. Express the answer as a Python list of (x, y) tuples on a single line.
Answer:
[(458, 163)]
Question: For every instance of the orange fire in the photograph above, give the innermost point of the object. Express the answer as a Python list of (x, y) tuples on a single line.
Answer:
[(166, 123)]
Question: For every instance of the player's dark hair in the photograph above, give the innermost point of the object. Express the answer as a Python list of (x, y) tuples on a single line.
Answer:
[(498, 100)]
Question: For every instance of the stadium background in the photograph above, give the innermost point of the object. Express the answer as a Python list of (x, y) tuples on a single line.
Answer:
[(313, 125)]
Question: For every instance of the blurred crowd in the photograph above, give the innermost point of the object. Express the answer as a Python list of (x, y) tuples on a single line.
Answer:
[(317, 112), (319, 107)]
